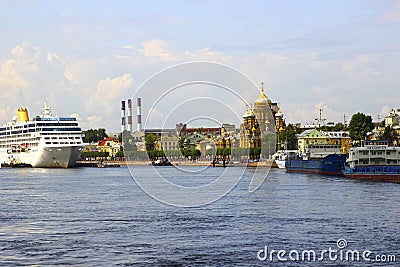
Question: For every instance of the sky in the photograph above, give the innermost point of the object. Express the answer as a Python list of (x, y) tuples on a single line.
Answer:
[(84, 57)]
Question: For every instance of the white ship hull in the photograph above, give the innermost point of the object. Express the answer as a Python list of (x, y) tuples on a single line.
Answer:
[(45, 157), (46, 141), (280, 163)]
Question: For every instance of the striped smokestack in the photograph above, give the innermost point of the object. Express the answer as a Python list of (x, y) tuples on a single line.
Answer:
[(139, 114), (122, 115), (130, 115)]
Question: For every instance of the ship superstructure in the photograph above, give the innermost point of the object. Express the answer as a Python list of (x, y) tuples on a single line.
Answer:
[(44, 141), (374, 160)]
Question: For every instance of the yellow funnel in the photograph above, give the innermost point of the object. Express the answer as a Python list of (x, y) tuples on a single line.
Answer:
[(23, 114)]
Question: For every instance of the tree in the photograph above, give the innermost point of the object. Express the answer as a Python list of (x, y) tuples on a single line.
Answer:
[(288, 137), (238, 152), (150, 140), (210, 152), (119, 154), (360, 125), (94, 154), (127, 141), (182, 142), (196, 154), (268, 144), (338, 127), (388, 135), (94, 135)]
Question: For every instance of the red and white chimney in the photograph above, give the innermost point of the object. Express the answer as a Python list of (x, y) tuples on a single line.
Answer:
[(139, 114), (130, 115), (122, 115)]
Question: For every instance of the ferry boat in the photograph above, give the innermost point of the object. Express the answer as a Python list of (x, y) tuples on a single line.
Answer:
[(318, 159), (374, 160), (44, 141)]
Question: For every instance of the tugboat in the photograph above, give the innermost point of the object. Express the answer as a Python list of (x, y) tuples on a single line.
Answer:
[(374, 160)]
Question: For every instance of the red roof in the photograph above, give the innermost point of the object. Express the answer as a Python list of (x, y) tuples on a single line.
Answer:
[(106, 139), (191, 130), (101, 142)]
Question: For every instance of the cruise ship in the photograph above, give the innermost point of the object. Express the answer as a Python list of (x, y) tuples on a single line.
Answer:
[(45, 141)]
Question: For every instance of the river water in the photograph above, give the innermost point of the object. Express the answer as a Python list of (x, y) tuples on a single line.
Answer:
[(101, 217)]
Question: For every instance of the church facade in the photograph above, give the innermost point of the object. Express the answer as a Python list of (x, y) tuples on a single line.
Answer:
[(265, 117)]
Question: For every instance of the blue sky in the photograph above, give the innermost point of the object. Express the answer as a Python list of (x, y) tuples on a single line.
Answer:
[(83, 57)]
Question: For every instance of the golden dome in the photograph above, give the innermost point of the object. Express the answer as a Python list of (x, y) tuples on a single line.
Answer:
[(279, 113), (251, 113), (262, 98)]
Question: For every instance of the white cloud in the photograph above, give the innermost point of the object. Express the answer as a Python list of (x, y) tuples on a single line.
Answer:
[(130, 47), (159, 49), (108, 93), (360, 65), (30, 76), (206, 54), (299, 81), (394, 14), (162, 50), (155, 116)]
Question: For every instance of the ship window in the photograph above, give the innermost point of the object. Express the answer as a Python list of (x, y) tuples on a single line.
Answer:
[(48, 143), (55, 142)]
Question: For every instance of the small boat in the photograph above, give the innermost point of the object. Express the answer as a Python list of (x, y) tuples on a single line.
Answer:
[(374, 160), (281, 156), (107, 165), (161, 162), (15, 165)]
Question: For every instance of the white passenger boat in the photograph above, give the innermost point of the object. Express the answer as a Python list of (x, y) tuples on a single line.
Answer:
[(44, 141)]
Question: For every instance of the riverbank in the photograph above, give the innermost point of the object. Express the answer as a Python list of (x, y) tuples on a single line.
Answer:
[(265, 164)]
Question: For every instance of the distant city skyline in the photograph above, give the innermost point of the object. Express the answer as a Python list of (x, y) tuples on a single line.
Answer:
[(84, 57)]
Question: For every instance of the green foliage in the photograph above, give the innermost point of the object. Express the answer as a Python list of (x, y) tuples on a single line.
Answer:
[(94, 135), (238, 152), (150, 140), (210, 152), (194, 154), (360, 125), (338, 127), (94, 154), (119, 154), (127, 141), (223, 152), (155, 154), (136, 155), (182, 142), (288, 137), (388, 135)]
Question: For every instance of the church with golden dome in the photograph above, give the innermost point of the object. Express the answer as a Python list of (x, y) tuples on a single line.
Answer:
[(262, 118)]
